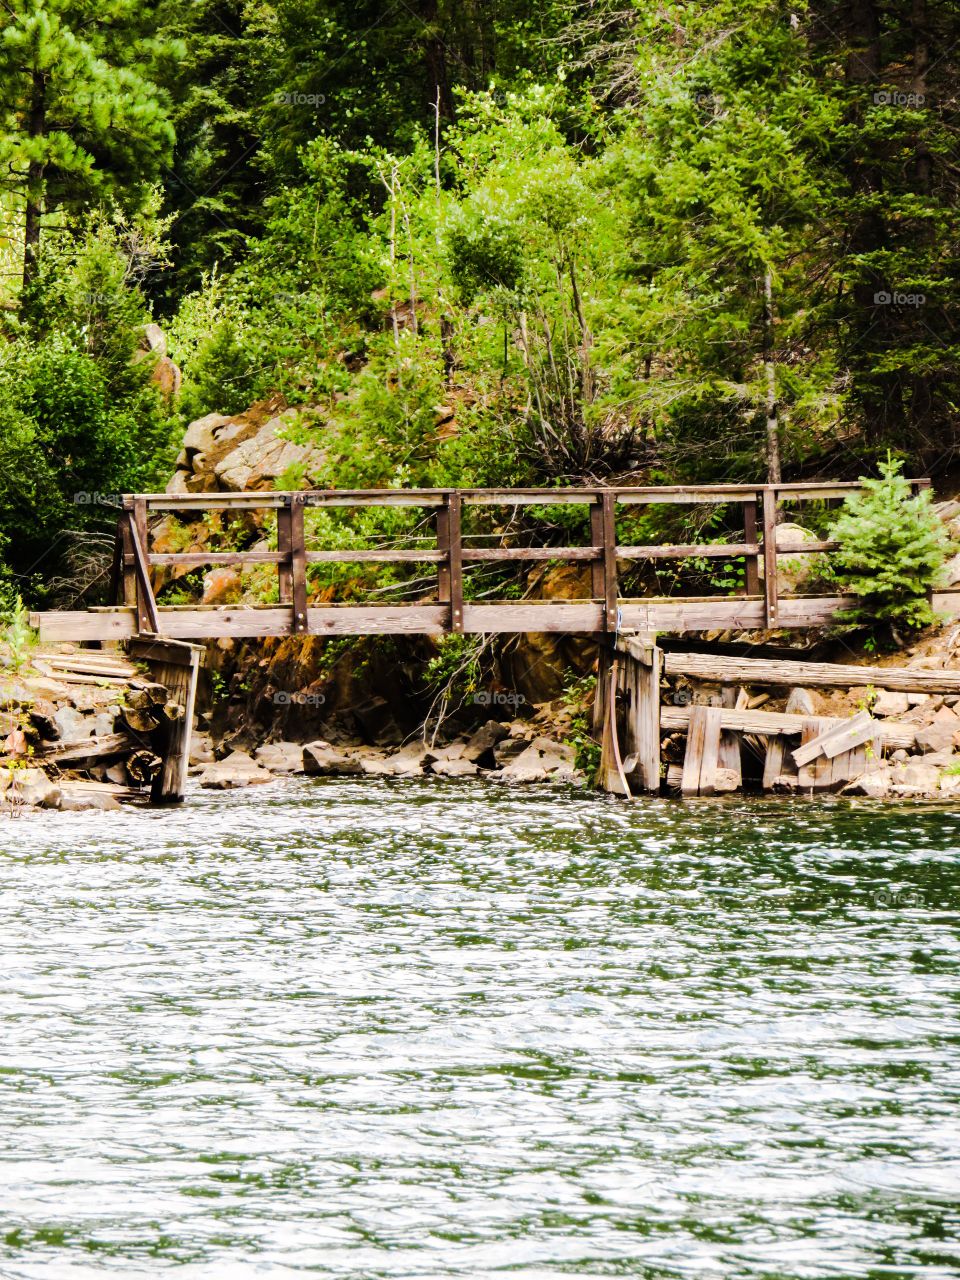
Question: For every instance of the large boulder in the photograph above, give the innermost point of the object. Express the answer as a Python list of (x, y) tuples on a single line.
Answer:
[(260, 461)]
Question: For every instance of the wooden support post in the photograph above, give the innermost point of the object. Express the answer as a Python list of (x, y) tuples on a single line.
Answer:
[(596, 540), (610, 592), (285, 547), (298, 565), (174, 664), (639, 661), (729, 758), (752, 577), (455, 561), (148, 618), (771, 603), (703, 746), (442, 525), (128, 561)]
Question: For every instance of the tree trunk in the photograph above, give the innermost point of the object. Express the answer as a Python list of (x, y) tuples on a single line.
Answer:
[(36, 128), (774, 473)]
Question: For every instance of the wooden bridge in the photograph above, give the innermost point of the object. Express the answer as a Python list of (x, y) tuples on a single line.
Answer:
[(453, 531)]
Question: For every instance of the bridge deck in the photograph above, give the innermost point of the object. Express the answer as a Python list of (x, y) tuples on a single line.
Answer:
[(446, 547)]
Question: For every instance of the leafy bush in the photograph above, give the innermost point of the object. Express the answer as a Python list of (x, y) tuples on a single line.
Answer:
[(893, 547)]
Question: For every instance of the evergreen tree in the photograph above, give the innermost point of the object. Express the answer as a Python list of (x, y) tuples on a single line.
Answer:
[(893, 546), (82, 119)]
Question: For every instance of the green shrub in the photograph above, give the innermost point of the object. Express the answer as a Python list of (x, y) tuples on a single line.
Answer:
[(893, 546)]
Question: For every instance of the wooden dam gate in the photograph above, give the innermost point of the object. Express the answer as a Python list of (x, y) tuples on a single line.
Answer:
[(444, 537)]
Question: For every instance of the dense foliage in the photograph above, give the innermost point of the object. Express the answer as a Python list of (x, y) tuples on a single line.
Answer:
[(532, 242)]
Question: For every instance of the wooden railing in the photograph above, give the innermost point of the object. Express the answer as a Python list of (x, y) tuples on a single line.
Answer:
[(758, 605)]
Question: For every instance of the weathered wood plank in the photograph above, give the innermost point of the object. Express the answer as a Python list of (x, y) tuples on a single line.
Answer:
[(693, 755), (711, 751), (767, 723), (805, 775), (706, 666), (558, 616), (679, 551), (508, 554), (838, 738)]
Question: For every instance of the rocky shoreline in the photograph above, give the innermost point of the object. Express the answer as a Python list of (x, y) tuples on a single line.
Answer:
[(517, 753)]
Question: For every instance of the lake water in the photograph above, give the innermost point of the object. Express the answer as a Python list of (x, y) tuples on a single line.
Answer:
[(364, 1029)]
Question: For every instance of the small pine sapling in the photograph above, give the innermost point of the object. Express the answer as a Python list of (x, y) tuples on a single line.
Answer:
[(893, 547)]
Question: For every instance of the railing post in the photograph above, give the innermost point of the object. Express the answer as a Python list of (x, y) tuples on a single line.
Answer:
[(129, 572), (298, 565), (771, 602), (596, 540), (148, 618), (752, 576), (285, 548), (455, 560), (610, 593), (441, 521)]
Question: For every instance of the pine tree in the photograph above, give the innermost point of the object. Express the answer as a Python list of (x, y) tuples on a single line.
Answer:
[(893, 546), (82, 119)]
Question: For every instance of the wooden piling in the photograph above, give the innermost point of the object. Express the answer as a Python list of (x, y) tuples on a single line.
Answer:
[(176, 665)]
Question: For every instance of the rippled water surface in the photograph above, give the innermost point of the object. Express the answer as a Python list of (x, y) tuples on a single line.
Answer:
[(372, 1029)]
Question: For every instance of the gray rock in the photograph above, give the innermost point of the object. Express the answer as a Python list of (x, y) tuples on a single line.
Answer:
[(280, 757), (320, 760), (199, 436), (479, 748), (73, 725), (542, 759), (889, 703), (236, 770), (30, 787), (454, 768)]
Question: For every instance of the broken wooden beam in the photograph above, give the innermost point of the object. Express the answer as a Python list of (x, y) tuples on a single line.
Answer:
[(727, 670), (765, 723), (837, 739)]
